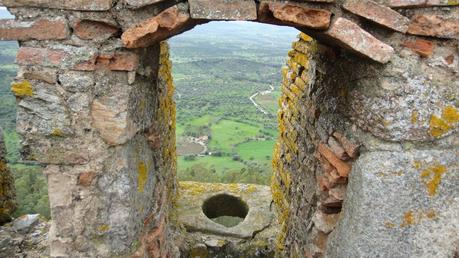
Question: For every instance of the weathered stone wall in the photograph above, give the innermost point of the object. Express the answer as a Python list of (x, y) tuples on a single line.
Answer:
[(95, 106), (383, 138)]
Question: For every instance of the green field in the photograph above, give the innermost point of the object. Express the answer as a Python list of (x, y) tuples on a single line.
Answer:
[(216, 68)]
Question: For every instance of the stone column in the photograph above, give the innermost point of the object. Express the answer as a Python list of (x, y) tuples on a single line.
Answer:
[(383, 138)]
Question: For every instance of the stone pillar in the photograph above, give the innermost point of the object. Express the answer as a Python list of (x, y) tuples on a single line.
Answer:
[(7, 190), (101, 118), (383, 138)]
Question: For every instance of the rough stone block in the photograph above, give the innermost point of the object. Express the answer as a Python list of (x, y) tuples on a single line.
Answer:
[(434, 25), (421, 3), (223, 9), (94, 30), (41, 29), (82, 5), (141, 3), (301, 16), (403, 200), (379, 14), (351, 36)]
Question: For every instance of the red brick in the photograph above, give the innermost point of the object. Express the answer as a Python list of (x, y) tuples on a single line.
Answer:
[(166, 24), (349, 35), (342, 167), (351, 149), (423, 47), (42, 29), (301, 16), (40, 56), (94, 30), (378, 13), (434, 26)]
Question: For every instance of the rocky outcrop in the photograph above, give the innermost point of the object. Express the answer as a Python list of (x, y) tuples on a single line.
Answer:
[(7, 189), (26, 236)]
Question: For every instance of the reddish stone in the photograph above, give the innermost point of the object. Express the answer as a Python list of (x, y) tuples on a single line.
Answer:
[(94, 30), (323, 184), (40, 56), (423, 47), (42, 29), (83, 5), (85, 179), (434, 26), (342, 167), (338, 192), (351, 149), (223, 9), (354, 38), (378, 13), (119, 61), (449, 59), (301, 16), (168, 23), (337, 149)]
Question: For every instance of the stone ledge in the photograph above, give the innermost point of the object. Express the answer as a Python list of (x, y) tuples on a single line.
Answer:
[(79, 5)]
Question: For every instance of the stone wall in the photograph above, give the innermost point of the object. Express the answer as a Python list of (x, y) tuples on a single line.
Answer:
[(94, 95), (366, 163)]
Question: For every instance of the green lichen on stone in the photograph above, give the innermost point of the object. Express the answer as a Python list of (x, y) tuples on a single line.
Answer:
[(453, 2), (22, 89)]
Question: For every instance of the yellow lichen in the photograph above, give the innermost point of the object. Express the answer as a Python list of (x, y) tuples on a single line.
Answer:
[(414, 117), (432, 178), (438, 126), (22, 89), (103, 228), (450, 115), (57, 132), (453, 2), (389, 224), (142, 175), (305, 37)]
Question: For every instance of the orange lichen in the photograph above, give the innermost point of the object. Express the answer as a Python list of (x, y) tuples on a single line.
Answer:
[(432, 178), (408, 219), (440, 126)]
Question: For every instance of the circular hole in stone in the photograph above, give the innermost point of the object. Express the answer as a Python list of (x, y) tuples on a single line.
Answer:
[(225, 209)]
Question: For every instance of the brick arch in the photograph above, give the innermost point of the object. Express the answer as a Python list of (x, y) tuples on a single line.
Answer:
[(95, 107)]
